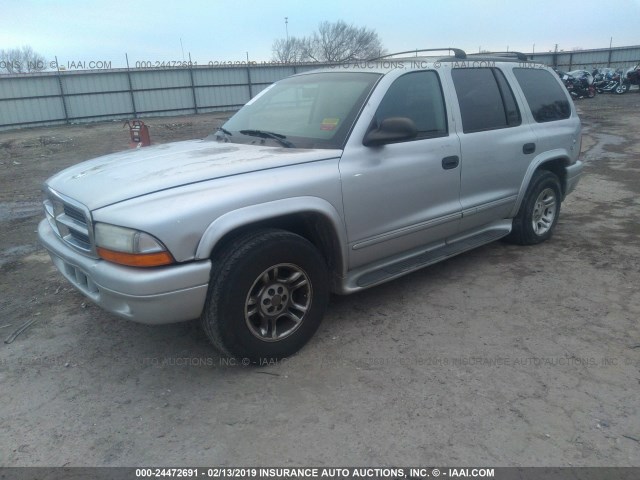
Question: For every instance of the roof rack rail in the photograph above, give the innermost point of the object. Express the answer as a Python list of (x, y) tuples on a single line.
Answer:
[(518, 55), (458, 53)]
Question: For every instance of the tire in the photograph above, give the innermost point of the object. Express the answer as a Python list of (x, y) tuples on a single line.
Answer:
[(539, 211), (267, 296), (621, 88)]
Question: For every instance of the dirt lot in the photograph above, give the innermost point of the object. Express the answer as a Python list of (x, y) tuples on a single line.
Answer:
[(502, 356)]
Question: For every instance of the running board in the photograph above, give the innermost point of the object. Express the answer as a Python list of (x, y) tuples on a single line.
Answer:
[(404, 266)]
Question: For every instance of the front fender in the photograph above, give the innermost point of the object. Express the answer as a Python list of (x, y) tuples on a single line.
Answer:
[(244, 216)]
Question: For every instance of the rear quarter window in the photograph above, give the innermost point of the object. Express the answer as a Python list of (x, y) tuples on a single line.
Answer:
[(546, 97)]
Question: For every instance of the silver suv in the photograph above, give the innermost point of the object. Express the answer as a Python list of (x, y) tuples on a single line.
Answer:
[(330, 181)]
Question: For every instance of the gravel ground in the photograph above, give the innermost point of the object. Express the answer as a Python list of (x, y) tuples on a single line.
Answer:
[(504, 356)]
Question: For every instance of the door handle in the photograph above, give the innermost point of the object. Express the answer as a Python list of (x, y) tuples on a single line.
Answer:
[(529, 148), (450, 162)]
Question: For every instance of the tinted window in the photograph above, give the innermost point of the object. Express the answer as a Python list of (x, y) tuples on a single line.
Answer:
[(485, 98), (417, 96), (545, 96)]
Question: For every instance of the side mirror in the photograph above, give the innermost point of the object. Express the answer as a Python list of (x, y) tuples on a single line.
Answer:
[(393, 129)]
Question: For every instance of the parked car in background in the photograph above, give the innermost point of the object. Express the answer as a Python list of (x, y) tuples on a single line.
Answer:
[(633, 75)]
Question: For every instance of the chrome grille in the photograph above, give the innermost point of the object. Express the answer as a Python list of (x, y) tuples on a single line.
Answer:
[(70, 220), (74, 213), (80, 238)]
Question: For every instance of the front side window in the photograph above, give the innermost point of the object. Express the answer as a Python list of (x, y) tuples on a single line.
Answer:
[(485, 98), (417, 96), (546, 98), (307, 111)]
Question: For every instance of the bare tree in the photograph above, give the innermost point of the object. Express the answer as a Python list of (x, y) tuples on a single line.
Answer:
[(337, 42), (333, 42), (291, 50), (21, 60)]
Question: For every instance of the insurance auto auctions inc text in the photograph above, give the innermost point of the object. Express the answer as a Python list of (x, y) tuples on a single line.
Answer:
[(369, 473)]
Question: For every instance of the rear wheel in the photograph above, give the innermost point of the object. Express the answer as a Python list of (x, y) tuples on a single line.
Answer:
[(267, 295), (539, 211)]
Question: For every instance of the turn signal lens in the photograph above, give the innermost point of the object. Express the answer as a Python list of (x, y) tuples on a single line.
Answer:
[(127, 246), (136, 259)]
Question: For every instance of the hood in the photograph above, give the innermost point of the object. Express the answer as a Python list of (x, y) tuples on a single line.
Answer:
[(120, 176)]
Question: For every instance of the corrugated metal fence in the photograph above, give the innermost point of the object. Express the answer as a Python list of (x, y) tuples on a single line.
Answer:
[(619, 57), (50, 98)]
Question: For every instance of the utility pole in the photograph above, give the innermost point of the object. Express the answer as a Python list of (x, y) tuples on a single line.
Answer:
[(286, 26), (533, 50)]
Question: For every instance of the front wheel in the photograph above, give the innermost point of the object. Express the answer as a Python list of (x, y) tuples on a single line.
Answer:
[(539, 211), (267, 296)]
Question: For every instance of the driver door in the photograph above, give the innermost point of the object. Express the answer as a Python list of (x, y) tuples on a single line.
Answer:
[(401, 196)]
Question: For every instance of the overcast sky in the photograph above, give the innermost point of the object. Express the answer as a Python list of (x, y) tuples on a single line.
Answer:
[(215, 30)]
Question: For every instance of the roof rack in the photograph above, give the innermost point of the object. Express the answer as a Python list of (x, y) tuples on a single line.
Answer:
[(518, 55), (458, 53)]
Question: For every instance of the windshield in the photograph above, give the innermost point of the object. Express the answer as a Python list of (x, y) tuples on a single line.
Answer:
[(308, 111)]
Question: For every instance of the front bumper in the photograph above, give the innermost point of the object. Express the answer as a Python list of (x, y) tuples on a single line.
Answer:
[(573, 176), (154, 295)]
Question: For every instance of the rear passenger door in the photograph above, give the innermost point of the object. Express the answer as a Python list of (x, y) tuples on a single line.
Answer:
[(496, 145), (551, 110)]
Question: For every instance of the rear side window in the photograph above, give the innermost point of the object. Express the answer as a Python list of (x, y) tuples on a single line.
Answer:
[(545, 96), (485, 98)]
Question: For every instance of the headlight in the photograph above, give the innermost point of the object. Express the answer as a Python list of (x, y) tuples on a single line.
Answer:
[(130, 247)]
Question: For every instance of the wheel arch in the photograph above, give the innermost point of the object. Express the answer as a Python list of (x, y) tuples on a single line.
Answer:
[(310, 217), (554, 163)]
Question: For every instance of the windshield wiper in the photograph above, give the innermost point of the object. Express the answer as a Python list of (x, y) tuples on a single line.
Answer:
[(225, 131), (278, 137)]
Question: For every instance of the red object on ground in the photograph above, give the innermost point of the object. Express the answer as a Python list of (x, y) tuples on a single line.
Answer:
[(139, 133)]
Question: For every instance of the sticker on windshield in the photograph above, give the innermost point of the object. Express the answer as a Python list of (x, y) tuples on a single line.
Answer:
[(329, 123)]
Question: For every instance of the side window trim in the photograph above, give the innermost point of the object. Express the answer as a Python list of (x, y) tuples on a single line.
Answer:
[(505, 89)]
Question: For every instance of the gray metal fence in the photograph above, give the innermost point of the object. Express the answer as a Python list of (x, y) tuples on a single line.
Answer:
[(50, 98), (619, 57), (59, 97)]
